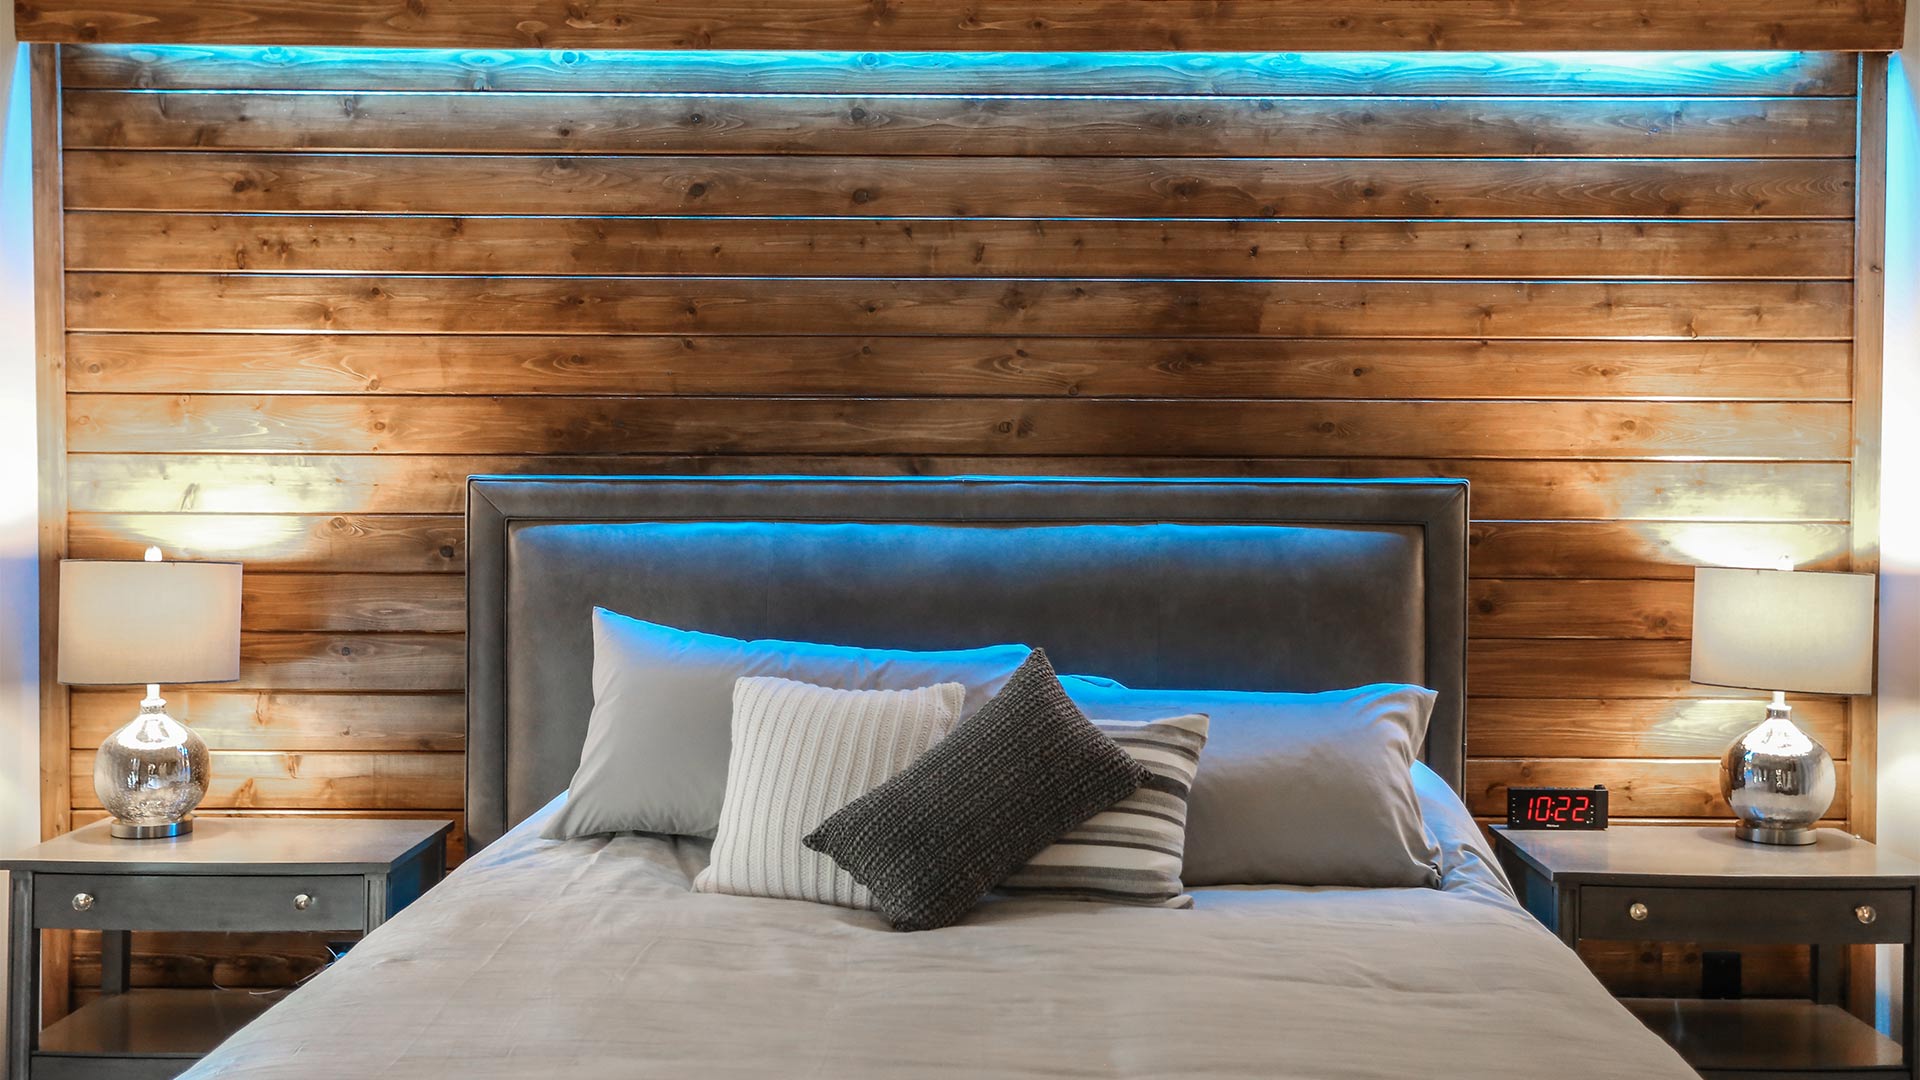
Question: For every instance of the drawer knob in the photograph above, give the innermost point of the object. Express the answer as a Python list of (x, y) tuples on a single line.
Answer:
[(1865, 914), (302, 902), (1637, 911), (83, 901)]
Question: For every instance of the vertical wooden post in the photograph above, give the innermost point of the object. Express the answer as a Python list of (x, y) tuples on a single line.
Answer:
[(1869, 303), (1869, 306), (50, 330)]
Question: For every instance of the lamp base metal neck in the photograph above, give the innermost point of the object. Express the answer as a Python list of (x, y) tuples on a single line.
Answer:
[(1780, 837), (127, 830)]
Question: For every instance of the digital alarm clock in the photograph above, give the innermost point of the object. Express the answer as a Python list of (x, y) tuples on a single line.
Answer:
[(1557, 808)]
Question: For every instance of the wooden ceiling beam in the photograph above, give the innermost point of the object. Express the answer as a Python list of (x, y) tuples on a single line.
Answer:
[(980, 25)]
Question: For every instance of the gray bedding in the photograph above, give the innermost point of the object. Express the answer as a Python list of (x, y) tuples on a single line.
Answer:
[(593, 958)]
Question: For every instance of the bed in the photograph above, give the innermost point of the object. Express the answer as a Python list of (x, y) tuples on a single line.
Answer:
[(591, 958)]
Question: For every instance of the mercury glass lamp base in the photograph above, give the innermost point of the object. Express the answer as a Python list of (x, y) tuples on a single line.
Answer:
[(1778, 781), (1781, 837), (127, 830), (151, 774)]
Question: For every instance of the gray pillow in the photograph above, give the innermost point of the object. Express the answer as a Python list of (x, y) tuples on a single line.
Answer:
[(1004, 784), (655, 755), (1297, 789)]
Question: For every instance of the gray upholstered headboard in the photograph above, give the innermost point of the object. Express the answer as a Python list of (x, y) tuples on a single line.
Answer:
[(1236, 584)]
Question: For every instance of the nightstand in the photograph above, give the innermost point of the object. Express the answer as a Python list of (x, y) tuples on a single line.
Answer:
[(1658, 883), (227, 875)]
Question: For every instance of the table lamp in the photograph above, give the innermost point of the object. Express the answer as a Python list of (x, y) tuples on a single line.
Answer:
[(1781, 630), (124, 623)]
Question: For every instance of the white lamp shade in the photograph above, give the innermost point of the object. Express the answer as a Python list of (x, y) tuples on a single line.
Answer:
[(1783, 630), (126, 623)]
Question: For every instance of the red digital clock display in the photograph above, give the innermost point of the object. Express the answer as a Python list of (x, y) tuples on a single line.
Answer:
[(1557, 808)]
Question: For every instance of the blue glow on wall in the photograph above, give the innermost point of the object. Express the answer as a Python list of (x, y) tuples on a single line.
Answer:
[(1609, 71)]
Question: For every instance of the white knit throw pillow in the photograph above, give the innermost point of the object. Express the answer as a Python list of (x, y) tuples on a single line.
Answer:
[(801, 752)]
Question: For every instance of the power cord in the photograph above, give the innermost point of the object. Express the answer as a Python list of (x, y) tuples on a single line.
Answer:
[(333, 955)]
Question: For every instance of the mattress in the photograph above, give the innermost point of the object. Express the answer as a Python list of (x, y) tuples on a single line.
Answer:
[(592, 958)]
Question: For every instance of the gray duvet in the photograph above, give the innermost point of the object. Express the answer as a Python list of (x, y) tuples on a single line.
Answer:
[(592, 958)]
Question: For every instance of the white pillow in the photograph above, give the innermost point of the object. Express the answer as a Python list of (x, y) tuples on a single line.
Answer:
[(655, 756), (801, 752)]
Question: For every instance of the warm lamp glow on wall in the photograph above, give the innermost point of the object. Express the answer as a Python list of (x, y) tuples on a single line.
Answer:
[(1781, 630), (125, 623)]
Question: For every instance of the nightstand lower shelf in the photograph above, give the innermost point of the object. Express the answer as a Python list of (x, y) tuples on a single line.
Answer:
[(1774, 1037), (164, 1031), (154, 1023)]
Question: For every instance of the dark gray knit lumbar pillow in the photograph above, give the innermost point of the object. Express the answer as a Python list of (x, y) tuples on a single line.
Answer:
[(1006, 782)]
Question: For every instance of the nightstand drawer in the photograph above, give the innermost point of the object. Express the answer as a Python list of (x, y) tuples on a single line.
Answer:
[(200, 902), (1748, 916)]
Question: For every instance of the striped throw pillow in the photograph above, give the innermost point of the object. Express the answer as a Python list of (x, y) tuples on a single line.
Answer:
[(801, 752), (1131, 852)]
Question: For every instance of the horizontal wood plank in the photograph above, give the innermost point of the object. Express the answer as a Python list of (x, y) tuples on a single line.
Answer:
[(373, 543), (1647, 549), (359, 662), (432, 603), (1537, 608), (530, 305), (936, 247), (780, 185), (172, 423), (1009, 25), (951, 124), (1584, 669), (110, 67), (1634, 728), (316, 780), (1649, 787), (436, 484), (1507, 668), (954, 366), (251, 720)]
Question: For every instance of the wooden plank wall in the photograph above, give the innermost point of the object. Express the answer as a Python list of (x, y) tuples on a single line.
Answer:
[(1615, 295)]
